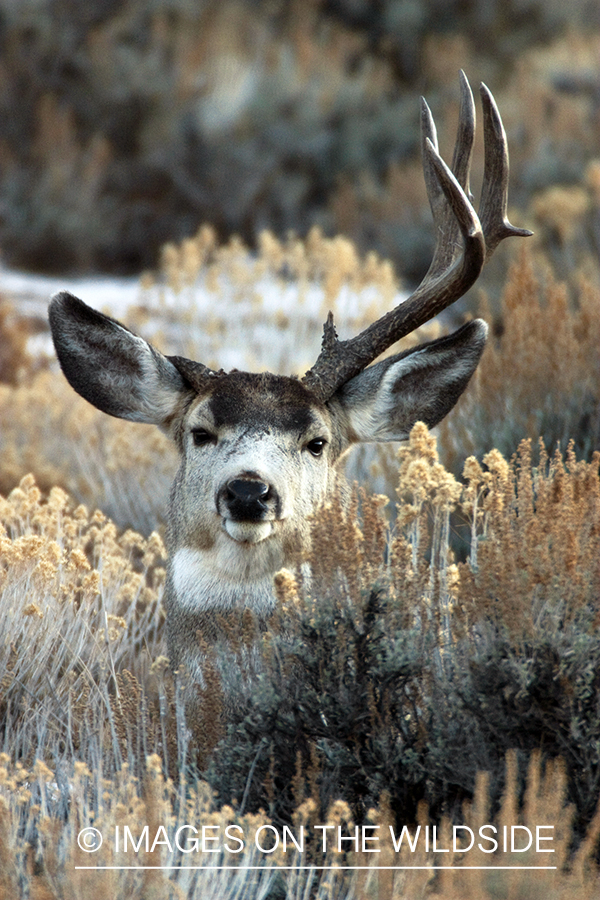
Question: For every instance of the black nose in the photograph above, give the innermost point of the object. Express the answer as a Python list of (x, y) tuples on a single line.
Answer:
[(247, 498)]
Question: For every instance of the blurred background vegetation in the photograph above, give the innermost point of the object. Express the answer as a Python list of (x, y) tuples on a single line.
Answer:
[(127, 123)]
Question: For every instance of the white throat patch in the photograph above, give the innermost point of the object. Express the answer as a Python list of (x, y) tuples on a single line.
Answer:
[(199, 584)]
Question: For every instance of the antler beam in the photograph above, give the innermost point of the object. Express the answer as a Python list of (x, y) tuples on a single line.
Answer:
[(464, 243)]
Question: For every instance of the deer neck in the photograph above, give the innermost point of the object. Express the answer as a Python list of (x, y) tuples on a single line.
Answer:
[(202, 581)]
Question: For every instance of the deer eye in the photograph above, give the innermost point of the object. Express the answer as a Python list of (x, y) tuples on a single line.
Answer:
[(202, 437), (316, 446)]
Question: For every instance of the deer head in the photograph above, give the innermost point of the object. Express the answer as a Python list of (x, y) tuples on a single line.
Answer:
[(260, 452)]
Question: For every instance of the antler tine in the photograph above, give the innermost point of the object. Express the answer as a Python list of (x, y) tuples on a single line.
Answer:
[(443, 215), (494, 192), (463, 147), (462, 246)]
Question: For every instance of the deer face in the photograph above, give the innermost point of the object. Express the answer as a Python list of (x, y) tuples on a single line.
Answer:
[(257, 459), (264, 449)]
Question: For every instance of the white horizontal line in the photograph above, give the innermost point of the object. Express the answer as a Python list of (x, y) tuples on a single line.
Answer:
[(324, 868)]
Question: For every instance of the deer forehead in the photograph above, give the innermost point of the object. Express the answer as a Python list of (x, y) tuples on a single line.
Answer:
[(263, 402)]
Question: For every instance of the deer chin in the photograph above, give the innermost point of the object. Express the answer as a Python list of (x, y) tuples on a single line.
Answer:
[(247, 532)]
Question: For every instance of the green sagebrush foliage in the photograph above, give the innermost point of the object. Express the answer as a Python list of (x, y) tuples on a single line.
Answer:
[(376, 708)]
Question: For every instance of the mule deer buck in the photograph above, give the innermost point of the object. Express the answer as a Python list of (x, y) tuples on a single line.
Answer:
[(260, 452)]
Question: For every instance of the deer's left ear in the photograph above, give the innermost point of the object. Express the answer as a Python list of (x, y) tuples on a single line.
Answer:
[(385, 400)]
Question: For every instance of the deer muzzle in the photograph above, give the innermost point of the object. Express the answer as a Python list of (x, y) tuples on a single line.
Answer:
[(248, 507)]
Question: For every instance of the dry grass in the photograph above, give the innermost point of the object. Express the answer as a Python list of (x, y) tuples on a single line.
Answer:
[(13, 344), (79, 599), (539, 374), (535, 534), (85, 711), (48, 430), (159, 801), (123, 802)]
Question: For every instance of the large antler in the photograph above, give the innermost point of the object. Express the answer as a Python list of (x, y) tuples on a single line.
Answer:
[(464, 242)]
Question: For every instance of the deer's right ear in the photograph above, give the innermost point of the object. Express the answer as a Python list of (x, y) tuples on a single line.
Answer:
[(112, 368)]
